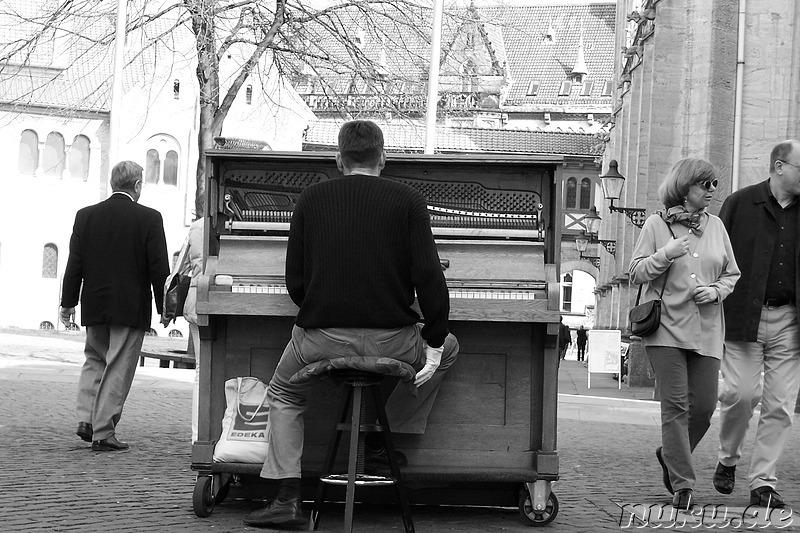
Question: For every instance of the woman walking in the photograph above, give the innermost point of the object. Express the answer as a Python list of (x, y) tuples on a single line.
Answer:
[(685, 251)]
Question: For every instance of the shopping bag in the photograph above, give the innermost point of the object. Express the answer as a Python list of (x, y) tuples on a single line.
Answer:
[(177, 287), (245, 424)]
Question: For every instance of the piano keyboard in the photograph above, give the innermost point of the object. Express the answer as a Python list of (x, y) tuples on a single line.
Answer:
[(493, 294)]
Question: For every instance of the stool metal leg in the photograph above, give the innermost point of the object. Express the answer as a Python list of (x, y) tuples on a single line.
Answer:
[(400, 488), (330, 458), (355, 427)]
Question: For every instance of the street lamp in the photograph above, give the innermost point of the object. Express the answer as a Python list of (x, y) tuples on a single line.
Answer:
[(612, 182), (592, 221), (582, 241)]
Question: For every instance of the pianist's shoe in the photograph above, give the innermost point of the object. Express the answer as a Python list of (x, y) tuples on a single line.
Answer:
[(376, 458), (278, 513)]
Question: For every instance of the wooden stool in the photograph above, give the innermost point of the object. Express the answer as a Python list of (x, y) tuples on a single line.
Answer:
[(356, 374)]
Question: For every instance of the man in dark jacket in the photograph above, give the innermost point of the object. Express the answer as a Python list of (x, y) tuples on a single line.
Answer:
[(761, 324), (117, 251)]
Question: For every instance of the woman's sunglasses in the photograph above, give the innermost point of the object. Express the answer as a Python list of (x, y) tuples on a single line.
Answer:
[(708, 184)]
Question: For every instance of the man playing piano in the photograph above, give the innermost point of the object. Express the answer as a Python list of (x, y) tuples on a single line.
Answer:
[(360, 247)]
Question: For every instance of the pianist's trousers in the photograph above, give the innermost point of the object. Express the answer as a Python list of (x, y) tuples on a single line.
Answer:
[(406, 409), (111, 353)]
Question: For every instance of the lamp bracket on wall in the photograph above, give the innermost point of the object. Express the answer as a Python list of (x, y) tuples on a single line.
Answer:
[(636, 215), (610, 246)]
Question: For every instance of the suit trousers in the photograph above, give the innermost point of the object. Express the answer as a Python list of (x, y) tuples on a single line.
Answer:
[(407, 411), (687, 382), (776, 353), (111, 353)]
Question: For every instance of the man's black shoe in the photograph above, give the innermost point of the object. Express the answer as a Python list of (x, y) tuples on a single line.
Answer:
[(766, 497), (378, 458), (288, 513), (111, 444), (724, 478), (665, 471), (84, 431)]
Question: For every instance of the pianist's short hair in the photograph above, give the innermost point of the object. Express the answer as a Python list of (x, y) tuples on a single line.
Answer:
[(683, 175), (360, 143), (124, 176)]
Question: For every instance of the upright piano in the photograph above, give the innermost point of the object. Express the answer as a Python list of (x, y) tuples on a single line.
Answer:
[(491, 438)]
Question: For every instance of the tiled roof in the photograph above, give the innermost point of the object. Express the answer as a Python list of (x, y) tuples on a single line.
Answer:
[(406, 137), (532, 57)]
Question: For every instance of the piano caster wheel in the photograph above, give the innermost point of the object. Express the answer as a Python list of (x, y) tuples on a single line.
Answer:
[(533, 517), (203, 497)]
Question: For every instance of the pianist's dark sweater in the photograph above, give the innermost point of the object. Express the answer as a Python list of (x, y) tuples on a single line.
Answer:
[(358, 248)]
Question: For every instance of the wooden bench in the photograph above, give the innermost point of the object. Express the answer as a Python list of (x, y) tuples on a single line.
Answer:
[(166, 353)]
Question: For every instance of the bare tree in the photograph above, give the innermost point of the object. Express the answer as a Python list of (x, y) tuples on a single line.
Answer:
[(346, 40)]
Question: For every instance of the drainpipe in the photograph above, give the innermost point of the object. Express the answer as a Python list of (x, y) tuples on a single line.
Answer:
[(737, 109)]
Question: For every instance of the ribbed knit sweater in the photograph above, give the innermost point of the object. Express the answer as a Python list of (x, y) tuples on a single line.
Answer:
[(359, 246)]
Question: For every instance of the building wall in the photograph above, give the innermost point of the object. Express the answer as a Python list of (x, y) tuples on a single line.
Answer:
[(679, 103)]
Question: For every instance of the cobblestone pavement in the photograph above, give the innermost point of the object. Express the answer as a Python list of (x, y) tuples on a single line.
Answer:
[(52, 481)]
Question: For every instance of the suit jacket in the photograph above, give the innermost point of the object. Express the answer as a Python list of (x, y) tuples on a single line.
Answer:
[(118, 252), (752, 230)]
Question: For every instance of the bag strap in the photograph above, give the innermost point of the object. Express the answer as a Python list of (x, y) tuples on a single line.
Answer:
[(666, 273), (239, 398)]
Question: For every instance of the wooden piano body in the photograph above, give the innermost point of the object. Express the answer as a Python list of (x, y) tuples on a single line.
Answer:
[(493, 427)]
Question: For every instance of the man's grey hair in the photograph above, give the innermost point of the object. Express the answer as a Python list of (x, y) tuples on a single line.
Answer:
[(124, 176)]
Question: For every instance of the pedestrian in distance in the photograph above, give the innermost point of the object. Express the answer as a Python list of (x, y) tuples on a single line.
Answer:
[(359, 247), (685, 252), (763, 221), (564, 339), (117, 261), (580, 341)]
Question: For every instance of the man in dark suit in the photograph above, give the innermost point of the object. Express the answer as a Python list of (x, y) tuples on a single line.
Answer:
[(117, 251)]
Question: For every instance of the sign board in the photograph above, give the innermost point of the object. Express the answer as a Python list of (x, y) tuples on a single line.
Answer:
[(604, 352)]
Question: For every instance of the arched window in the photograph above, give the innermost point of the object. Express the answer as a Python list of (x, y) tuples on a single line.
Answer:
[(153, 169), (79, 158), (249, 94), (162, 160), (571, 201), (54, 155), (566, 293), (171, 168), (586, 193), (28, 153), (49, 261), (176, 89)]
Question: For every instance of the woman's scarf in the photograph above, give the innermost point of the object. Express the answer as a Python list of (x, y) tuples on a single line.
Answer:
[(691, 219)]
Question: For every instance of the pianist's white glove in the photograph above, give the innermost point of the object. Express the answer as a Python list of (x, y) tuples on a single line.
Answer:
[(433, 357)]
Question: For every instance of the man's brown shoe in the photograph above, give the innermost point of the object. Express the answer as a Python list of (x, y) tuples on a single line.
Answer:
[(277, 513), (724, 478), (111, 444), (766, 497)]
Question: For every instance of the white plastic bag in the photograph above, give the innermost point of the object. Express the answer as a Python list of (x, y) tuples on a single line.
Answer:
[(245, 424)]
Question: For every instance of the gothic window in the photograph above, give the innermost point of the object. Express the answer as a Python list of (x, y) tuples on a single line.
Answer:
[(176, 89), (79, 158), (49, 261), (586, 193), (153, 168), (171, 168), (28, 153), (54, 155), (572, 194), (469, 77), (249, 95)]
